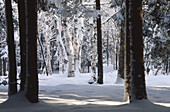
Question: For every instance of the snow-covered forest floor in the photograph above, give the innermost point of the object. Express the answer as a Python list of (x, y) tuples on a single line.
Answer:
[(59, 93)]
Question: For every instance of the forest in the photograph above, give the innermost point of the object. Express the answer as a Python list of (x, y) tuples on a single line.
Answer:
[(84, 55)]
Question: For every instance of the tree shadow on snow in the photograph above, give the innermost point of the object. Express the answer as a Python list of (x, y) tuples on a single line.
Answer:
[(79, 98)]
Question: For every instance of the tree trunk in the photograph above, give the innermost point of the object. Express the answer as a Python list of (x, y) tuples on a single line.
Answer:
[(76, 44), (99, 45), (107, 48), (69, 49), (137, 84), (47, 41), (69, 46), (61, 46), (127, 57), (94, 51), (22, 29), (121, 53), (4, 66), (31, 51), (11, 50), (1, 67), (116, 55)]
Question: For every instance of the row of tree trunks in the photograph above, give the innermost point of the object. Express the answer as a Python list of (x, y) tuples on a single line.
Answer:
[(28, 44)]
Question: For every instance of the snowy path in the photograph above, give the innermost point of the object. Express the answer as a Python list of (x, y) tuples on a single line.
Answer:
[(75, 95)]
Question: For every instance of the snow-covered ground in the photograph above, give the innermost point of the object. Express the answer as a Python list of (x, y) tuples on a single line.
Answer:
[(58, 93)]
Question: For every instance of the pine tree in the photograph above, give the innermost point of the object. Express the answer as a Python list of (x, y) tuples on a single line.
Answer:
[(156, 33)]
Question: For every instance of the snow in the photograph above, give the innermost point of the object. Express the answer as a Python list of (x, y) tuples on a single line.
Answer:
[(58, 93)]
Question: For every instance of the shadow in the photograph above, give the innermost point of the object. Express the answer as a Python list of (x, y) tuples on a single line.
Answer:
[(82, 98), (158, 94)]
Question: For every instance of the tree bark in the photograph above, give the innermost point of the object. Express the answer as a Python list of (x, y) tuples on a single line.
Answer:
[(76, 43), (107, 48), (12, 88), (22, 29), (127, 56), (121, 53), (31, 51), (94, 51), (137, 84), (99, 45), (4, 66), (1, 66)]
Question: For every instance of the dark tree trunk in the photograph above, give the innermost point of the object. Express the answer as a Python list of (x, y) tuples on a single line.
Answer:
[(22, 29), (127, 56), (31, 51), (107, 48), (1, 67), (99, 46), (12, 88), (121, 53), (137, 84), (4, 66), (116, 56)]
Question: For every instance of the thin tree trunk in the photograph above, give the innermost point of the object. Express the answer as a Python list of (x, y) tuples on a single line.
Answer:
[(99, 46), (81, 36), (31, 51), (48, 59), (4, 66), (127, 57), (116, 55), (121, 54), (61, 46), (12, 88), (137, 84), (76, 44), (22, 29), (107, 48), (1, 66), (69, 48), (94, 51), (42, 53)]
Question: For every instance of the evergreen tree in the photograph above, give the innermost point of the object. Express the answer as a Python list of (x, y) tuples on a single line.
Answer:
[(156, 32)]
